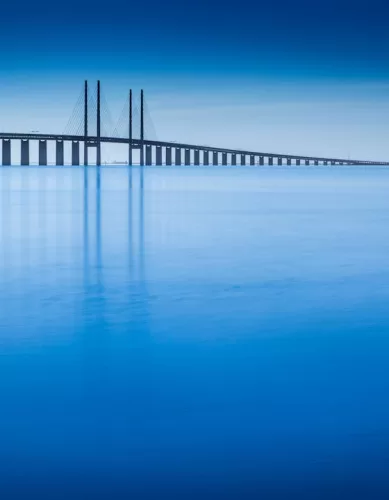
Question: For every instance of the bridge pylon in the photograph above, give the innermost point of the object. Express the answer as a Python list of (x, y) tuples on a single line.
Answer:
[(98, 144), (95, 142), (86, 124), (142, 129), (130, 128)]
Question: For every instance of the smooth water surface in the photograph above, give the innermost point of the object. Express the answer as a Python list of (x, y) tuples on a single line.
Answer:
[(194, 332)]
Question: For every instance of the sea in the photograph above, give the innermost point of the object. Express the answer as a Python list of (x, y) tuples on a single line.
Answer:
[(194, 332)]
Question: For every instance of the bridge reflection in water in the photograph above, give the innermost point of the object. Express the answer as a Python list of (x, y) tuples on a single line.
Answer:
[(93, 225)]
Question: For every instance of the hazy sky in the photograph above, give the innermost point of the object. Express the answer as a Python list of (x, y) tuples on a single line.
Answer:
[(282, 76)]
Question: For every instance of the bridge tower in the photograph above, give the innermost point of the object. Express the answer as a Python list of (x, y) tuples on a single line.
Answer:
[(86, 123), (95, 143), (142, 128), (130, 130), (98, 144)]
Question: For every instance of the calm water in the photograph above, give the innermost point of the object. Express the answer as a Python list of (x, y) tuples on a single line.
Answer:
[(194, 332)]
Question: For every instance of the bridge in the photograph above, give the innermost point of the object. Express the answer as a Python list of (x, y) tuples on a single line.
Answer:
[(151, 151)]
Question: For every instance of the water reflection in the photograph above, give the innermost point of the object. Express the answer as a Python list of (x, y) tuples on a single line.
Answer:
[(42, 211), (200, 323), (114, 219), (86, 225), (141, 225), (115, 293), (98, 222), (130, 221)]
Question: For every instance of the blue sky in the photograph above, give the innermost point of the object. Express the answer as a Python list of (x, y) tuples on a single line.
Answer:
[(303, 77)]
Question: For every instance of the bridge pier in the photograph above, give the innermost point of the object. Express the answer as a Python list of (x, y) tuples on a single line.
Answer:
[(187, 157), (59, 155), (86, 153), (25, 152), (142, 154), (197, 157), (190, 153), (178, 156), (158, 155), (42, 152), (6, 154), (168, 156), (76, 153), (149, 155)]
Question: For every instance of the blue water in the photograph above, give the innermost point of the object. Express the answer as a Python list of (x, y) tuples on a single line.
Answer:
[(194, 332)]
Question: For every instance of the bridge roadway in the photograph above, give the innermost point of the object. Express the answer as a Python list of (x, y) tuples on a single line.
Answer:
[(136, 144)]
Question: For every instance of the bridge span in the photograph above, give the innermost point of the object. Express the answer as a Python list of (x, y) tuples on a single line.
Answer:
[(160, 152), (151, 152)]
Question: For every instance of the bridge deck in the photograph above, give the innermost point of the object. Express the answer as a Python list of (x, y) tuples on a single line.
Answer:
[(137, 144)]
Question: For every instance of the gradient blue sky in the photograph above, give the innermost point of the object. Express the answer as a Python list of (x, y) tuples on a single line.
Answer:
[(305, 77)]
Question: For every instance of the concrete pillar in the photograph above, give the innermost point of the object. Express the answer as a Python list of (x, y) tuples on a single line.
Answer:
[(187, 156), (279, 161), (206, 158), (75, 153), (59, 155), (333, 163), (289, 161), (6, 159), (306, 162), (149, 155), (270, 160), (25, 152), (178, 156), (298, 162), (326, 163), (42, 152), (224, 159), (243, 159), (233, 159), (142, 154), (261, 160), (158, 155), (197, 157), (168, 153), (215, 156), (316, 162), (252, 160)]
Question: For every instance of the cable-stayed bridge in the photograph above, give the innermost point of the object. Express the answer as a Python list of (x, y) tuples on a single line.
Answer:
[(91, 125)]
